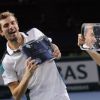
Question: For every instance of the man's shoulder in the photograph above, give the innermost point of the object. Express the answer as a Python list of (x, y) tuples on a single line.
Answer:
[(6, 57), (32, 30), (34, 34)]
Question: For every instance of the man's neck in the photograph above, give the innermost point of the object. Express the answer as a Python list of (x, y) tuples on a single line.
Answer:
[(16, 44)]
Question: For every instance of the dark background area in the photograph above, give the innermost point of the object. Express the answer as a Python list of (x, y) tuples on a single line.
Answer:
[(59, 19)]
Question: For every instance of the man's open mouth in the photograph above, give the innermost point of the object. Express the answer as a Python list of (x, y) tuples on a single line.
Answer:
[(12, 32)]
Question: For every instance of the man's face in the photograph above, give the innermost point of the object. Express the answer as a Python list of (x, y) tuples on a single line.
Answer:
[(9, 28), (90, 37)]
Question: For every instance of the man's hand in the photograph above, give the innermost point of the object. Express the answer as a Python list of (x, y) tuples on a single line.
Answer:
[(81, 40), (56, 51), (30, 67)]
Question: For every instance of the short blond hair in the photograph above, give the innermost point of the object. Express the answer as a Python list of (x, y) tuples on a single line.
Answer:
[(6, 14)]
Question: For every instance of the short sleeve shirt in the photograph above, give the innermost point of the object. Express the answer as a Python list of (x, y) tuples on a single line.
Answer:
[(45, 84)]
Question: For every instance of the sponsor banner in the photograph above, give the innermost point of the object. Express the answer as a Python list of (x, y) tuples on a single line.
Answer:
[(79, 75)]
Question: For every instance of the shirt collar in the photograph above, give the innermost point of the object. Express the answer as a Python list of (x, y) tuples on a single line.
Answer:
[(10, 51)]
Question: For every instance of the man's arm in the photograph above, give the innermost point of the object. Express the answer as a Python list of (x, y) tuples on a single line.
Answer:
[(95, 56), (19, 88)]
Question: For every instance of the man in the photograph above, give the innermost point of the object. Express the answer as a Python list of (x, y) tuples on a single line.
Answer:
[(89, 37), (20, 73)]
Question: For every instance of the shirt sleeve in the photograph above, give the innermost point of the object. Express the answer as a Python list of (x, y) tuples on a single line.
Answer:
[(9, 75), (35, 34)]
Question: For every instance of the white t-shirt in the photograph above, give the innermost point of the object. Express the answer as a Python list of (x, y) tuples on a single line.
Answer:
[(45, 84)]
